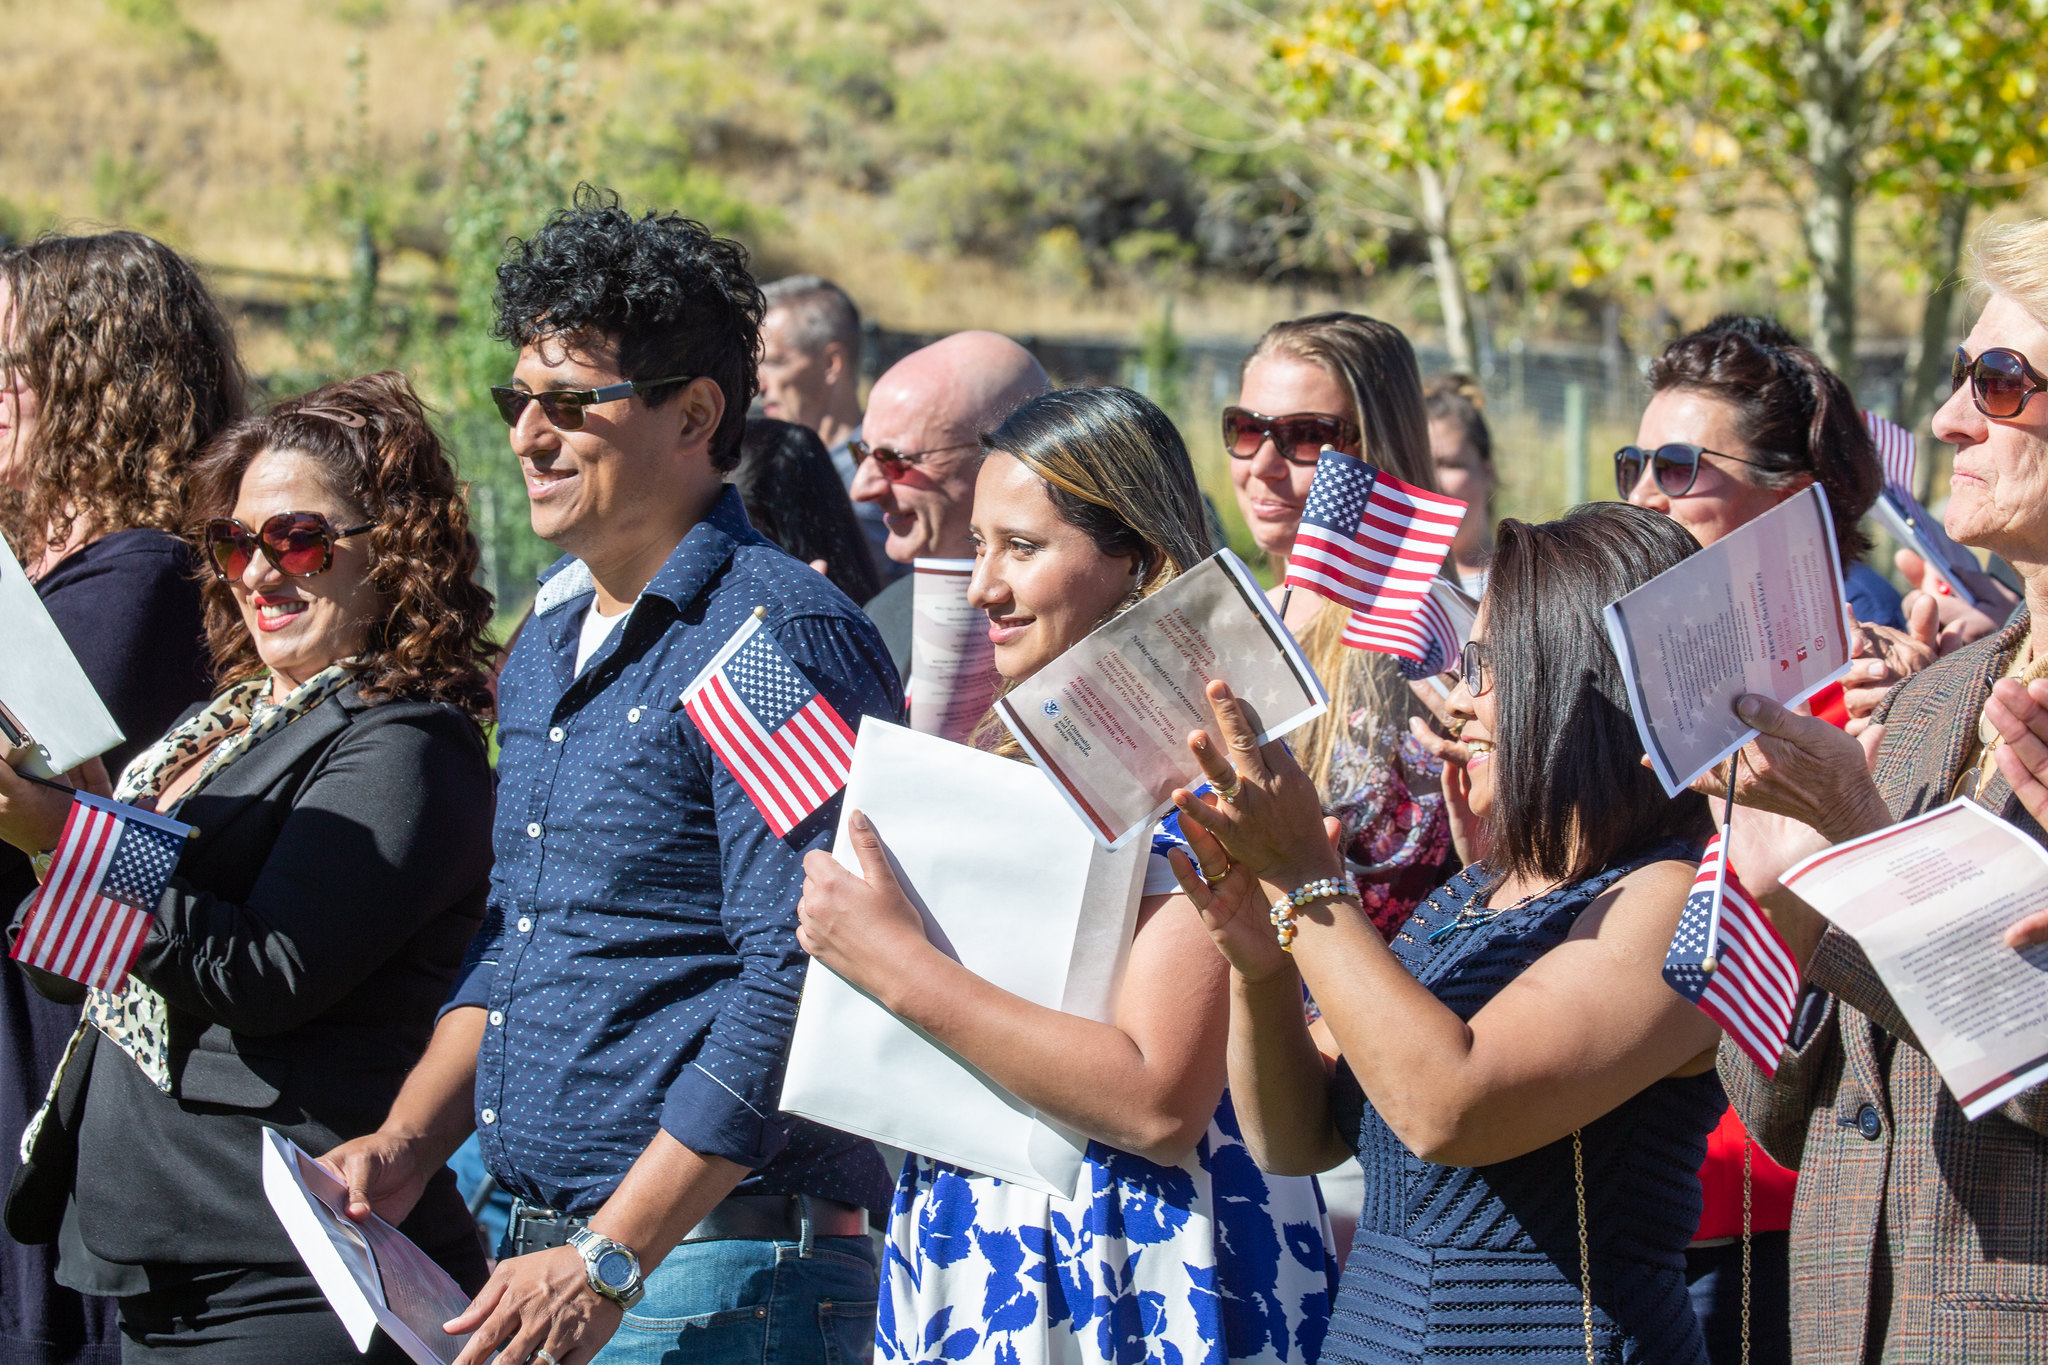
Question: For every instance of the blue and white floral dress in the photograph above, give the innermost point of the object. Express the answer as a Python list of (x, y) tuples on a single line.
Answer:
[(1197, 1264)]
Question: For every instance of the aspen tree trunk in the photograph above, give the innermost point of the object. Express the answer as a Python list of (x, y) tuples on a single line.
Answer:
[(1928, 367), (1832, 113), (1460, 335)]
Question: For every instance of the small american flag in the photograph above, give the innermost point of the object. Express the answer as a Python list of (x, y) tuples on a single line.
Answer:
[(1898, 454), (96, 905), (1372, 543), (778, 736), (1427, 642), (1728, 959)]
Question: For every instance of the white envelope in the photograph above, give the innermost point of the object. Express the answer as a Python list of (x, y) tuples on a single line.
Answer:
[(1013, 888), (43, 691)]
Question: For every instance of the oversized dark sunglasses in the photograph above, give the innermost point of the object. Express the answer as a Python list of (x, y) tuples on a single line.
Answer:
[(298, 544), (2001, 380), (1298, 436), (1676, 464), (564, 407), (1474, 669), (897, 464)]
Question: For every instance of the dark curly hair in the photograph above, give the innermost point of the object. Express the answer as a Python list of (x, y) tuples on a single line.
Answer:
[(372, 438), (1795, 414), (135, 370), (672, 297)]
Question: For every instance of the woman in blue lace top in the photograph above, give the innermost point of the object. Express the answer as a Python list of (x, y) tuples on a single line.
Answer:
[(1528, 1100)]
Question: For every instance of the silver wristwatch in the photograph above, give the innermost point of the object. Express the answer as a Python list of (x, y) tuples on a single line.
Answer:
[(611, 1267)]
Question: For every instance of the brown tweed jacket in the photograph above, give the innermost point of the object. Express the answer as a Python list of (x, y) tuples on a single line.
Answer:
[(1916, 1234)]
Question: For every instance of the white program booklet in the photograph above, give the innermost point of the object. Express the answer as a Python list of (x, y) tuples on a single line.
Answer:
[(51, 719), (1929, 901), (953, 676), (1108, 720), (1760, 610), (1013, 890), (372, 1274)]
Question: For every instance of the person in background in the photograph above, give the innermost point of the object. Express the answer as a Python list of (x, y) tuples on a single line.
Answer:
[(342, 797), (810, 375), (1462, 448), (1917, 1233), (792, 497), (617, 1034), (921, 450), (118, 369), (1176, 1247), (1349, 382), (1528, 1100)]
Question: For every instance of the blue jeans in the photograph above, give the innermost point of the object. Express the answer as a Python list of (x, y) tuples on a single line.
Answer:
[(754, 1303)]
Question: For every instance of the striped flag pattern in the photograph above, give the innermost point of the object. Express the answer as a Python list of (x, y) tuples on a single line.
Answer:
[(1426, 643), (1898, 454), (1368, 541), (96, 905), (781, 740), (1728, 959)]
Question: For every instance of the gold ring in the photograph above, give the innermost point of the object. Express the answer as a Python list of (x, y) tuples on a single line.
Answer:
[(1229, 793)]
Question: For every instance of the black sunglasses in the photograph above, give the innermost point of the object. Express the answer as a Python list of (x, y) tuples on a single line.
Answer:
[(2001, 380), (1676, 464), (564, 407), (1298, 436), (297, 544)]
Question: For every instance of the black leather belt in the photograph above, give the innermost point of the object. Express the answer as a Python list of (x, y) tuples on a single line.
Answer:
[(736, 1218)]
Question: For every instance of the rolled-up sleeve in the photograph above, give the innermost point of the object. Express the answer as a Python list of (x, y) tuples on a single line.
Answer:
[(723, 1102)]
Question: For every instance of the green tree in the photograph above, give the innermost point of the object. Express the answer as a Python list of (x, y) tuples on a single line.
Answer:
[(1447, 119)]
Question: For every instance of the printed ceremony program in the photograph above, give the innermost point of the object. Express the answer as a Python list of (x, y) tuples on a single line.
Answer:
[(953, 674), (1759, 610), (1108, 720), (1929, 901)]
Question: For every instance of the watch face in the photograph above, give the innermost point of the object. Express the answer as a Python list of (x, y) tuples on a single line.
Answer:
[(615, 1269)]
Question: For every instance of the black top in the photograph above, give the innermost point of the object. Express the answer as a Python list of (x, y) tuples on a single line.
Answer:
[(890, 610), (303, 948)]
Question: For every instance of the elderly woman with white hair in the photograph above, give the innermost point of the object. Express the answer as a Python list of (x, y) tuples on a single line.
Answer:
[(1917, 1234)]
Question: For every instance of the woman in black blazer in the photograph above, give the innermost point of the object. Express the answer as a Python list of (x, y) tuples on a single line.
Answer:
[(342, 794)]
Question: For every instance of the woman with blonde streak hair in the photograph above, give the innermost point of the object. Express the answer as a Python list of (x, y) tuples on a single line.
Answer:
[(1349, 382), (1176, 1246)]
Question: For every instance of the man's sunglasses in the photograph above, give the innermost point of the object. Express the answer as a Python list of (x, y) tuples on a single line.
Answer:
[(298, 544), (1298, 436), (2001, 380), (897, 464), (564, 407), (1677, 467)]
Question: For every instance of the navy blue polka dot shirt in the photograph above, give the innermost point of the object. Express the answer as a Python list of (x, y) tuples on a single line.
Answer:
[(638, 964)]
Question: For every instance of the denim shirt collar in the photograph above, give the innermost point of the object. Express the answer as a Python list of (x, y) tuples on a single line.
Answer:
[(683, 576)]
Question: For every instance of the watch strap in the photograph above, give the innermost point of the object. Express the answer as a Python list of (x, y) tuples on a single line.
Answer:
[(594, 1247)]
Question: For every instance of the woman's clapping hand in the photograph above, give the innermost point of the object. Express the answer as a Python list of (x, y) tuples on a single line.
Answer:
[(1266, 813)]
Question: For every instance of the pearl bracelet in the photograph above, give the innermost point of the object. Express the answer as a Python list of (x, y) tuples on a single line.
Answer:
[(1323, 888)]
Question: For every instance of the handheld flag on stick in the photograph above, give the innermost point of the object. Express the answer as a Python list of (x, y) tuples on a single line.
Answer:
[(1728, 959), (1372, 543), (788, 748), (93, 913), (1898, 454), (1426, 643)]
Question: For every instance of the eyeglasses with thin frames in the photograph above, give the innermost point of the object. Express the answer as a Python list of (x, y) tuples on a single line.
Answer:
[(897, 464), (564, 407), (1474, 668)]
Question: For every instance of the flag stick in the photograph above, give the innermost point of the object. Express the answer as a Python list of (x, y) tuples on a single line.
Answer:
[(1709, 964), (1286, 596)]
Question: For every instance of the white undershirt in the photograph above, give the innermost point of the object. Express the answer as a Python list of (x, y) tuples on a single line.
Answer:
[(597, 628)]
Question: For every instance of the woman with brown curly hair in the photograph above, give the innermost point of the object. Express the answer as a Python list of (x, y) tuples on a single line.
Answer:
[(116, 368), (343, 801)]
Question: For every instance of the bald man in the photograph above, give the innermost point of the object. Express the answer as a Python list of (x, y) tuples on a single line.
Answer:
[(932, 407)]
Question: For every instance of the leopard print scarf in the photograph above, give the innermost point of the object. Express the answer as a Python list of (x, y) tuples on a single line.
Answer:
[(135, 1017)]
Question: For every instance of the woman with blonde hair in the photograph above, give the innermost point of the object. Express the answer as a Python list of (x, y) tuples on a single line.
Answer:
[(1349, 382), (1176, 1246)]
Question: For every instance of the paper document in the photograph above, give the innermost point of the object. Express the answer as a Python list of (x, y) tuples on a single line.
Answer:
[(372, 1274), (953, 676), (1108, 720), (1918, 530), (1012, 889), (47, 705), (1759, 610), (1929, 901)]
